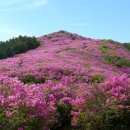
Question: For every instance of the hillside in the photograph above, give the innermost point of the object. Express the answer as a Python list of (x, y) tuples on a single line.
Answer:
[(63, 50), (55, 81)]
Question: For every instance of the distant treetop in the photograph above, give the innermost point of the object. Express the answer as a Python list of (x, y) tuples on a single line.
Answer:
[(17, 45)]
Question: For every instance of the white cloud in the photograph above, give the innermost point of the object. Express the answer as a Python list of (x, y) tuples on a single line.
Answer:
[(17, 5)]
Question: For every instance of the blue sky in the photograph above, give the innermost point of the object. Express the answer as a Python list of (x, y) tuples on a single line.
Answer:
[(99, 19)]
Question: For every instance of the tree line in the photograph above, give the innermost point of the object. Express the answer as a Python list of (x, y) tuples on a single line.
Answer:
[(17, 45)]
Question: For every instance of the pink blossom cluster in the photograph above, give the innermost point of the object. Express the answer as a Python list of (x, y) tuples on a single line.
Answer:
[(35, 101), (117, 90)]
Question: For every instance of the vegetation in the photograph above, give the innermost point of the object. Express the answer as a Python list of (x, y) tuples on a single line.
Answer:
[(17, 45), (106, 111), (109, 41), (75, 91), (127, 45), (31, 79), (105, 49), (97, 78), (118, 61)]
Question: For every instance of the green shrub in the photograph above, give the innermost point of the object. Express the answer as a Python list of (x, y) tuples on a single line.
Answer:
[(109, 41), (123, 62), (64, 119), (117, 61), (97, 78), (127, 45), (105, 49), (30, 79), (116, 119), (111, 59), (99, 115), (105, 119)]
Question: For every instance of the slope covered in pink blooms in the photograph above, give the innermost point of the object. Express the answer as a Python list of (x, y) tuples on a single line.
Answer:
[(68, 82)]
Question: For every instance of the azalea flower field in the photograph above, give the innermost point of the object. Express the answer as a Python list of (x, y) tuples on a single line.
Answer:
[(69, 82)]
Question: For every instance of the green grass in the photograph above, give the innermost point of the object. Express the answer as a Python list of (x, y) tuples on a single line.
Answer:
[(117, 61), (105, 49), (109, 41)]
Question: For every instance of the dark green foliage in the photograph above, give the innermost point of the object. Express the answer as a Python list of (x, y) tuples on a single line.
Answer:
[(106, 120), (118, 61), (123, 62), (61, 31), (112, 59), (17, 45), (30, 79), (35, 124), (90, 121), (99, 115), (64, 119), (127, 45), (116, 120)]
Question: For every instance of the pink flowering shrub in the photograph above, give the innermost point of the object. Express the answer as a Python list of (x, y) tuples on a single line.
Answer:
[(33, 106), (118, 91), (104, 105), (107, 108)]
